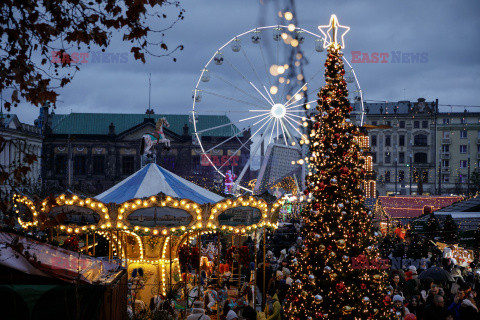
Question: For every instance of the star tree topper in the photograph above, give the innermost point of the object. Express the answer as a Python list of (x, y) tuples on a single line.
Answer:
[(332, 38)]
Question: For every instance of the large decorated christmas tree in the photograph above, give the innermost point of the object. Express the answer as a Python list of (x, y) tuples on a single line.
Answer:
[(337, 275)]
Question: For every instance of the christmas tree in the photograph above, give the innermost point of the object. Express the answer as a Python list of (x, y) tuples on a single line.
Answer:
[(449, 232), (432, 227), (337, 224)]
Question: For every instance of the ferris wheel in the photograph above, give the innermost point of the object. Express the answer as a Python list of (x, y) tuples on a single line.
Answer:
[(264, 85)]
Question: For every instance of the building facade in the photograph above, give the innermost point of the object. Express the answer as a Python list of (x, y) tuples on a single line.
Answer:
[(90, 152), (17, 141), (458, 138), (403, 146)]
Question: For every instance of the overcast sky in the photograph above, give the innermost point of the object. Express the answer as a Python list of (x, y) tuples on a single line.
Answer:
[(446, 32)]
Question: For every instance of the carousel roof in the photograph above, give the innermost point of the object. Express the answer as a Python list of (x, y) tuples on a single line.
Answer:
[(153, 179)]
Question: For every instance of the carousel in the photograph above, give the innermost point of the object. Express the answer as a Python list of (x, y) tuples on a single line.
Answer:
[(164, 241)]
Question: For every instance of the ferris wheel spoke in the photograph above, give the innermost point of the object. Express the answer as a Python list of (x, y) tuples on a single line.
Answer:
[(283, 132), (296, 116), (255, 71), (270, 102), (231, 99), (243, 144), (293, 96), (237, 88), (226, 140), (265, 64), (299, 105), (251, 126), (260, 115), (296, 129), (218, 127), (273, 129), (245, 78), (268, 93)]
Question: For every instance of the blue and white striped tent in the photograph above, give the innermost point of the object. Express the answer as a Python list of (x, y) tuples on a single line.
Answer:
[(153, 179)]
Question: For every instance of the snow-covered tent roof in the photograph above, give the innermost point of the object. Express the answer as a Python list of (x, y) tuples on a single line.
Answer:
[(153, 179)]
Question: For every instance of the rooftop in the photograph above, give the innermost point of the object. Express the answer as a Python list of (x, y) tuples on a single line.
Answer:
[(98, 123), (413, 206)]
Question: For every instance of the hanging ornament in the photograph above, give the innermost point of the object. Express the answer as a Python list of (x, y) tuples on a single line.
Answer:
[(341, 244), (363, 286), (346, 258), (333, 181), (328, 269), (340, 205), (318, 298), (366, 299), (347, 310), (311, 277), (333, 276), (340, 287), (321, 247)]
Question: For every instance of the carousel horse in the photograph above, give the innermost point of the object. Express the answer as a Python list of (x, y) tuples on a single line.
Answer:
[(149, 139)]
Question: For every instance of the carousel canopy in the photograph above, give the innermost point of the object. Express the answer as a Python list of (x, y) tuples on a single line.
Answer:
[(153, 179)]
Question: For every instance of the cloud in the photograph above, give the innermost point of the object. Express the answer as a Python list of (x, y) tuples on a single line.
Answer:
[(447, 31)]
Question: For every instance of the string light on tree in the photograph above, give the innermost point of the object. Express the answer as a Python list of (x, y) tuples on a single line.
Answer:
[(337, 224)]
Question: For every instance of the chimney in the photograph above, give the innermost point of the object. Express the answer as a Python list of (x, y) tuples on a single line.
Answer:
[(111, 129), (421, 99), (185, 130)]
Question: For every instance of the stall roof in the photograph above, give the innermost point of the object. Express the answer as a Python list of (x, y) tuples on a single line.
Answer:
[(413, 206), (153, 179)]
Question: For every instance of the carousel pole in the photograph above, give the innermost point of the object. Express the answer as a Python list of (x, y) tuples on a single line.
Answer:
[(255, 271), (118, 247), (110, 250), (199, 245), (125, 244), (86, 235), (264, 253), (218, 271), (170, 257), (57, 233), (94, 243)]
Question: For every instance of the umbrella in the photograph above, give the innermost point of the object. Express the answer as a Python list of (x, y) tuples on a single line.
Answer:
[(437, 274)]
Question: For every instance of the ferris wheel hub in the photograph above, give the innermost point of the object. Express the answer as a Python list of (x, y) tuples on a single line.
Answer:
[(278, 110)]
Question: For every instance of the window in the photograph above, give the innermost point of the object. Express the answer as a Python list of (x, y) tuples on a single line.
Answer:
[(388, 123), (425, 124), (401, 140), (478, 148), (420, 140), (463, 134), (462, 178), (401, 157), (416, 124), (98, 164), (61, 164), (402, 124), (401, 175), (463, 148), (374, 141), (374, 123), (388, 141), (446, 135), (446, 178), (387, 176), (387, 157), (425, 176), (478, 135), (374, 157), (445, 163), (446, 121), (128, 164), (445, 148), (79, 165), (463, 121), (463, 163), (420, 157), (415, 176)]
